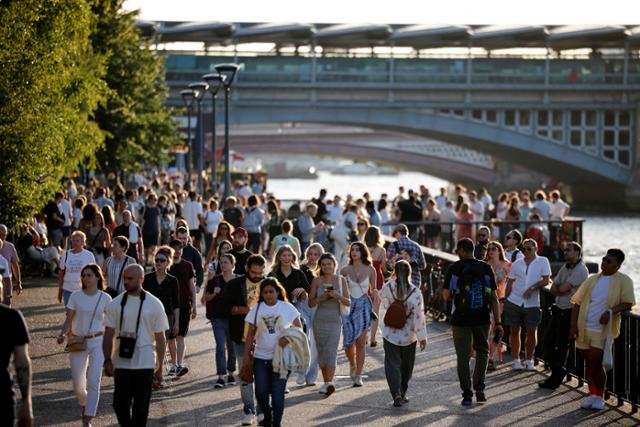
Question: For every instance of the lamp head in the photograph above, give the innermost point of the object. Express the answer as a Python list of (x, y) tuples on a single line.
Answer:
[(229, 71), (188, 96), (215, 80), (200, 88)]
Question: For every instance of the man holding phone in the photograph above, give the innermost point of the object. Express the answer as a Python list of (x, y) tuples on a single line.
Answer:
[(138, 320)]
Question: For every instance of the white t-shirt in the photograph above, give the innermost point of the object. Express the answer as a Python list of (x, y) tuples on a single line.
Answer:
[(152, 320), (65, 209), (271, 321), (544, 207), (525, 276), (72, 266), (190, 212), (441, 202), (509, 254), (4, 266), (599, 303), (334, 213), (84, 305), (477, 208), (559, 210), (213, 219)]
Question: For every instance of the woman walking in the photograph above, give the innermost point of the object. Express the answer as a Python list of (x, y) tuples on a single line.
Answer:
[(330, 293), (114, 266), (374, 242), (99, 239), (223, 233), (85, 323), (501, 268), (214, 267), (151, 228), (267, 320), (400, 344), (220, 322), (361, 277), (211, 219)]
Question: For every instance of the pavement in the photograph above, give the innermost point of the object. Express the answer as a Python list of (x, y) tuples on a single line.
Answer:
[(513, 397)]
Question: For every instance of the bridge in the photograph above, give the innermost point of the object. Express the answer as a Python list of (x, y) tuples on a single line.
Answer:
[(559, 100)]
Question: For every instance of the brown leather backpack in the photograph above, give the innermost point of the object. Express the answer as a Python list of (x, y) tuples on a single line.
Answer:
[(396, 315)]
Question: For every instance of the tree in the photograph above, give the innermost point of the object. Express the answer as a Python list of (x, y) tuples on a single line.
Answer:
[(139, 128), (50, 85)]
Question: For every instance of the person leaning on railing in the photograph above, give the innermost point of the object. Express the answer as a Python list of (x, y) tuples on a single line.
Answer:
[(602, 296)]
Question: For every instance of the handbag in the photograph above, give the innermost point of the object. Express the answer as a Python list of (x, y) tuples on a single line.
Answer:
[(344, 309), (76, 343), (246, 373), (607, 357)]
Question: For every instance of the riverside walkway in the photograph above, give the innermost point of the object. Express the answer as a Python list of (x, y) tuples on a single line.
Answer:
[(513, 398)]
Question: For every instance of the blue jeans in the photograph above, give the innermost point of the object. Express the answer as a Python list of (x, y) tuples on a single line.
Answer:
[(307, 315), (269, 384), (223, 339), (246, 390), (65, 296)]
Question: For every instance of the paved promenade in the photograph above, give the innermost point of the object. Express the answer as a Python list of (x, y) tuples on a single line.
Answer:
[(513, 398)]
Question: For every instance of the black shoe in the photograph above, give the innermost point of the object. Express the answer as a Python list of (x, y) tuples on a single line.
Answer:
[(480, 397), (231, 380), (548, 384), (219, 384), (182, 370), (397, 401), (405, 400)]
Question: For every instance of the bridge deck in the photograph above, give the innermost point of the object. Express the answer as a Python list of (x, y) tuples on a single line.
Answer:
[(514, 398)]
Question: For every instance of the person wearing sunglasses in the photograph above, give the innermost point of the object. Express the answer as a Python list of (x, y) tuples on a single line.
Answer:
[(511, 243), (556, 337), (600, 300), (526, 277)]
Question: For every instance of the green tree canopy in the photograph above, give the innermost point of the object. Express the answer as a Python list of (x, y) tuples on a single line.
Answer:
[(50, 86), (139, 129)]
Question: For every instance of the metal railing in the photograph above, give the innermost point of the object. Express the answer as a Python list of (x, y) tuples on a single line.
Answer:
[(623, 380)]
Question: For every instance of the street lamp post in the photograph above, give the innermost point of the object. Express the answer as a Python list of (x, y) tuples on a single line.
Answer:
[(229, 72), (188, 96), (200, 88), (215, 80)]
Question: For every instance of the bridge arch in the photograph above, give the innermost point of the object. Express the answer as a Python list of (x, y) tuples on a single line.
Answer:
[(560, 161)]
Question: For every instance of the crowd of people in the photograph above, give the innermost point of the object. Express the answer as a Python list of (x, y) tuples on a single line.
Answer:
[(282, 289)]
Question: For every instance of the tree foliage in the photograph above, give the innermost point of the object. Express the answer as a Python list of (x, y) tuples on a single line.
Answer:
[(50, 85), (139, 129)]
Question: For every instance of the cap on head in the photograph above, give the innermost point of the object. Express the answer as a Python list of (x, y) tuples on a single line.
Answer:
[(240, 231)]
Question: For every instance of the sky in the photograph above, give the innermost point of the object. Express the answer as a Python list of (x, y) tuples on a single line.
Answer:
[(472, 12)]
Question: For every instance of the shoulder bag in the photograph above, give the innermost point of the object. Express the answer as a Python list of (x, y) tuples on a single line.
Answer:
[(77, 343), (344, 309), (246, 373)]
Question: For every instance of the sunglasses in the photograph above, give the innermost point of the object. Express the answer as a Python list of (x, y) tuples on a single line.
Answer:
[(159, 260)]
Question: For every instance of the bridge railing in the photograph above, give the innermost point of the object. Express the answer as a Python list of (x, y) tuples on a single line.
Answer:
[(623, 380), (443, 235)]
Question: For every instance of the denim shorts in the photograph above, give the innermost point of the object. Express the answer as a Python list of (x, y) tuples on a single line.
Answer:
[(515, 315)]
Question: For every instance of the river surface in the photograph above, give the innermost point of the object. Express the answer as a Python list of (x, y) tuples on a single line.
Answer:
[(601, 231)]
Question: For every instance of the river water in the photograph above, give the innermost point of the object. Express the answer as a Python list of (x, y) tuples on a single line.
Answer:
[(601, 231)]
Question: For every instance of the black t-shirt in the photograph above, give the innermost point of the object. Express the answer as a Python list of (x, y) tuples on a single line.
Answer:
[(50, 220), (14, 334), (167, 292), (191, 254), (233, 216), (184, 272), (123, 230), (241, 260), (297, 279), (471, 282)]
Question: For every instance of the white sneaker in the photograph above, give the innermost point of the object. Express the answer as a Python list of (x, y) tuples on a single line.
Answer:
[(517, 365), (357, 382), (529, 366), (248, 419), (323, 389), (300, 380), (586, 404), (598, 403)]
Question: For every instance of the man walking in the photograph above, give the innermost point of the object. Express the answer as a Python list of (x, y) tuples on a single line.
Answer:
[(8, 251), (600, 300), (238, 297), (137, 319), (472, 286), (132, 232), (239, 250), (526, 277), (556, 338), (407, 249), (73, 261), (191, 254)]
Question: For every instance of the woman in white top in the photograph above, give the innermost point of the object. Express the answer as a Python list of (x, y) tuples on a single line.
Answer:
[(267, 320), (400, 344), (211, 218), (344, 232), (114, 266), (85, 318), (361, 277)]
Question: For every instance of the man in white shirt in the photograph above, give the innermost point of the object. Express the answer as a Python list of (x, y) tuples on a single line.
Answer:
[(64, 206), (5, 273), (134, 373), (73, 261), (476, 207), (441, 199), (526, 277), (559, 208), (192, 213), (447, 218), (542, 205)]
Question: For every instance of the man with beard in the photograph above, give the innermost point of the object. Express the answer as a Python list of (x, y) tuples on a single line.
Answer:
[(482, 243), (239, 251), (239, 295)]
